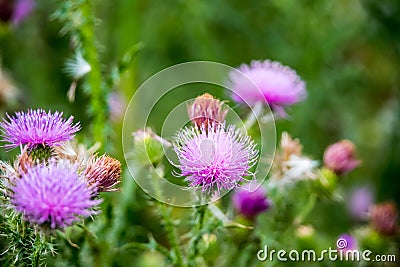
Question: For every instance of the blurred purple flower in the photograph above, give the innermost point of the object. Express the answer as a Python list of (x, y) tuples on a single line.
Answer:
[(22, 9), (214, 159), (54, 195), (340, 157), (36, 127), (360, 201), (117, 106), (346, 242), (280, 86), (250, 202), (15, 11)]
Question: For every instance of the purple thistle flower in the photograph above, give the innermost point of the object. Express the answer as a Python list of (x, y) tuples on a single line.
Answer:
[(36, 127), (250, 202), (53, 195), (280, 86), (214, 159)]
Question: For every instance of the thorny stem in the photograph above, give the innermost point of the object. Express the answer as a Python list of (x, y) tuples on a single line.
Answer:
[(98, 94), (169, 225), (199, 215)]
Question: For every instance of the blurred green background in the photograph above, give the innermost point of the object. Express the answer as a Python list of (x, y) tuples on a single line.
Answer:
[(347, 51)]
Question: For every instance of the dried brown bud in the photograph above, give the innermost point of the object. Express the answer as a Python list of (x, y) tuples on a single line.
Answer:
[(384, 218), (340, 157), (206, 110), (103, 171), (24, 162), (290, 146)]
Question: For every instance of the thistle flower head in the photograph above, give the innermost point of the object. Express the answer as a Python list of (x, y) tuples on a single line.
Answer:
[(340, 157), (53, 195), (104, 172), (77, 67), (36, 127), (250, 202), (280, 86), (206, 110), (384, 218), (215, 159)]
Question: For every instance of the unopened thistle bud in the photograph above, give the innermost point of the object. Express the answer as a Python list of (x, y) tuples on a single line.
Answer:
[(384, 218), (103, 171), (206, 110), (149, 146), (250, 203), (340, 157)]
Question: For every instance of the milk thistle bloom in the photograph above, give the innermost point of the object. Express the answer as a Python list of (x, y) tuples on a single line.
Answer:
[(250, 203), (53, 195), (36, 127), (278, 85), (216, 159), (104, 172)]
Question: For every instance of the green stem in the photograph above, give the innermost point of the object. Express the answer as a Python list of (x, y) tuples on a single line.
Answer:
[(171, 234), (98, 92), (198, 220), (169, 225), (145, 247), (306, 209)]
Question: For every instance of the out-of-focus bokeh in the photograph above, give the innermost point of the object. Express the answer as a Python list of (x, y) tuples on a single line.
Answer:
[(347, 51)]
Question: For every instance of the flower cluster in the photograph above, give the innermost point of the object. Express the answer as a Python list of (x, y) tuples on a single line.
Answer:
[(214, 156), (52, 184)]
